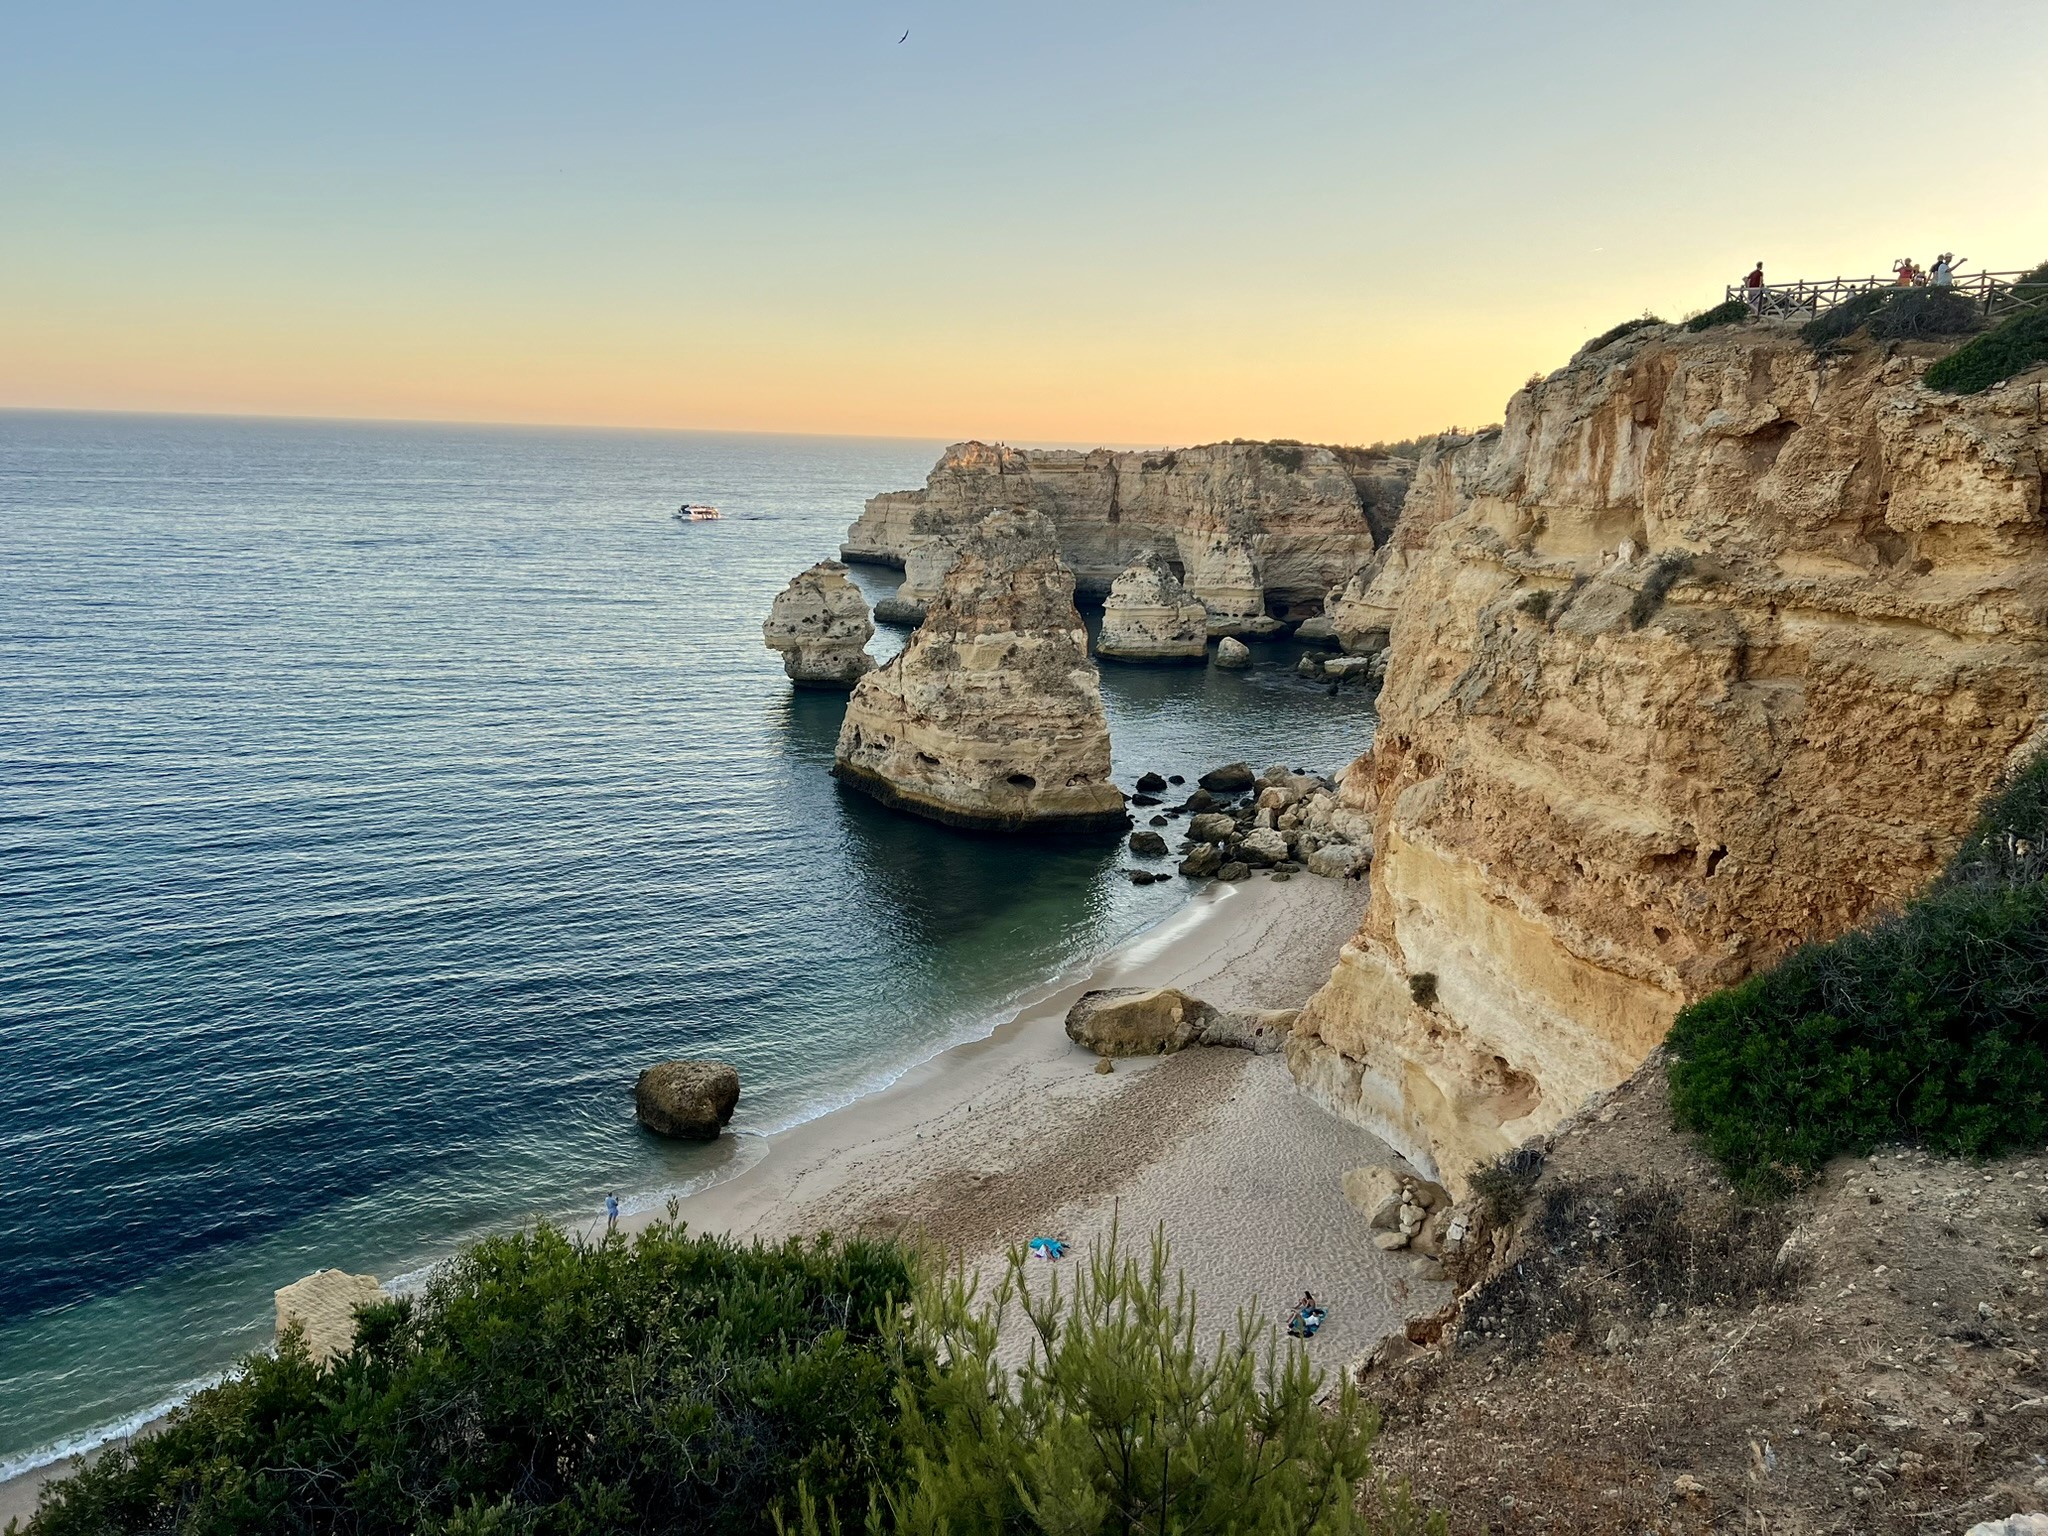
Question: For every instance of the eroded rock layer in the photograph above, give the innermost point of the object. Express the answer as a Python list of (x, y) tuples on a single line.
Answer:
[(992, 715), (1149, 616), (1712, 651), (1292, 513), (819, 625)]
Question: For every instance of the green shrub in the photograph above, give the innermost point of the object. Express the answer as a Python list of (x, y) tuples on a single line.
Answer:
[(1119, 1422), (2019, 343), (671, 1384), (1733, 312), (1929, 1026), (1607, 338), (1288, 455), (1844, 319)]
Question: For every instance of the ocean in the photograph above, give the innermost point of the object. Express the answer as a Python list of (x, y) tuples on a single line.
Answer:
[(377, 800)]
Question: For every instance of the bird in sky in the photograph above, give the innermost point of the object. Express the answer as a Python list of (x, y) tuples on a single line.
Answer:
[(906, 33)]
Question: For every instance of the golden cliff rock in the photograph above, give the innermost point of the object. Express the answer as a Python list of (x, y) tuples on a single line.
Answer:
[(1711, 651)]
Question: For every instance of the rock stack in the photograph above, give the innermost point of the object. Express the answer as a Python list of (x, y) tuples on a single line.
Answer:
[(820, 625), (992, 715), (1149, 616), (1224, 575)]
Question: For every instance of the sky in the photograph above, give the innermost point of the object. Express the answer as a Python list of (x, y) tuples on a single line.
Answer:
[(1128, 223)]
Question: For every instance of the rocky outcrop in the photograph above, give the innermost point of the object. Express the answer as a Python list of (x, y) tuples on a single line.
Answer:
[(927, 558), (1138, 1021), (1714, 651), (1281, 518), (1149, 616), (819, 624), (322, 1307), (692, 1100), (1360, 612), (992, 715)]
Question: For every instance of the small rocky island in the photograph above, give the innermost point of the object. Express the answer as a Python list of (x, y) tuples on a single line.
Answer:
[(991, 716), (820, 626), (1149, 616)]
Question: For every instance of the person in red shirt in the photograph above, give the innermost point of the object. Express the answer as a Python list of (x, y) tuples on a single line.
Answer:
[(1755, 278)]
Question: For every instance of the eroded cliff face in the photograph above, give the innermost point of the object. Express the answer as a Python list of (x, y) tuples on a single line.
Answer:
[(1713, 650), (992, 715), (1284, 517)]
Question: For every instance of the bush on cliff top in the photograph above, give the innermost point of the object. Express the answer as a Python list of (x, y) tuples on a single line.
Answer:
[(671, 1384), (1929, 1026), (2019, 343), (680, 1384), (1729, 312), (1612, 334)]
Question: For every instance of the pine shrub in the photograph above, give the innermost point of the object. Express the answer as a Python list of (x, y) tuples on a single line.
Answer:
[(1929, 1026), (1609, 337), (2017, 344), (672, 1384), (1118, 1421)]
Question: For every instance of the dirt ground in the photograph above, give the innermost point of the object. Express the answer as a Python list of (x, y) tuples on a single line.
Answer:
[(1643, 1357)]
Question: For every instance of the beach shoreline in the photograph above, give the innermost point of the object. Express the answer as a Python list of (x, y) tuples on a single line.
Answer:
[(996, 1139)]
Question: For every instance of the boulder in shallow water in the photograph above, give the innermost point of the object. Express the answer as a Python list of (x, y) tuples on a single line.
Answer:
[(1232, 655), (1149, 844), (323, 1308), (1212, 827), (688, 1099), (1151, 784), (1203, 860), (1230, 779)]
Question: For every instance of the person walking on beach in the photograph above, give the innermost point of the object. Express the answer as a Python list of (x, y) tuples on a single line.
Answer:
[(611, 1214)]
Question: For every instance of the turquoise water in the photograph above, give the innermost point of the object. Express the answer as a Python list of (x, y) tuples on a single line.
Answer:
[(375, 801)]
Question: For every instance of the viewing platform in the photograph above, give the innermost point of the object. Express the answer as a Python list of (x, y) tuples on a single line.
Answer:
[(1992, 292)]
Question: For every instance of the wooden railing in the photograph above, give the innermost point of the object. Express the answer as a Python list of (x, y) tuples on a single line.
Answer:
[(1990, 291)]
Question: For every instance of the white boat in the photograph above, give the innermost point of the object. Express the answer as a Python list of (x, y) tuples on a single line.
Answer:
[(696, 512)]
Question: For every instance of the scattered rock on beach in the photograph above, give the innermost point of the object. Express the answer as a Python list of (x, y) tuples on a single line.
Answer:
[(688, 1099), (1236, 869), (1212, 827), (1136, 1021), (1203, 859), (323, 1307), (1262, 848)]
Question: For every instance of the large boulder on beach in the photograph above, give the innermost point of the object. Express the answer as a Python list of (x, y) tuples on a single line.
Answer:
[(1136, 1021), (819, 625), (1148, 616), (323, 1308), (687, 1099), (1229, 779)]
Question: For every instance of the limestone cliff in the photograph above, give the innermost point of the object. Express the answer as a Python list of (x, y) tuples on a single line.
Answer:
[(1711, 651), (992, 715), (1286, 515), (819, 625), (1149, 616), (1361, 610)]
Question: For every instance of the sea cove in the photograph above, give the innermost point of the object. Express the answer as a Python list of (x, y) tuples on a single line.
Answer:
[(376, 800)]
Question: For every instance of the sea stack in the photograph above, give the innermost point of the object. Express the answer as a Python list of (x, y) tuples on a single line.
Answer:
[(992, 715), (1224, 574), (1150, 617), (820, 625), (930, 555)]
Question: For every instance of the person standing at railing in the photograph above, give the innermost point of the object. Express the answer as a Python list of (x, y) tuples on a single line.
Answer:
[(1943, 274), (1753, 285), (1909, 275)]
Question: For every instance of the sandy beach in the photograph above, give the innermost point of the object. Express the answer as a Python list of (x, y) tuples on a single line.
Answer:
[(1005, 1138)]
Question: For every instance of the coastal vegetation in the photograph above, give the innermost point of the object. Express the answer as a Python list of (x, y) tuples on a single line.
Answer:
[(1728, 312), (1612, 334), (682, 1384), (1928, 1027), (2016, 344)]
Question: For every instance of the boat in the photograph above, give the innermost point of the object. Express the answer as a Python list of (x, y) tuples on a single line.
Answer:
[(696, 512)]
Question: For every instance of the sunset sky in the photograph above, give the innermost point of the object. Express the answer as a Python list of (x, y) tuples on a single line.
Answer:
[(1125, 223)]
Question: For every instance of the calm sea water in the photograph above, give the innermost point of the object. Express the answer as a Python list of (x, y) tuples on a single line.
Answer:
[(375, 801)]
